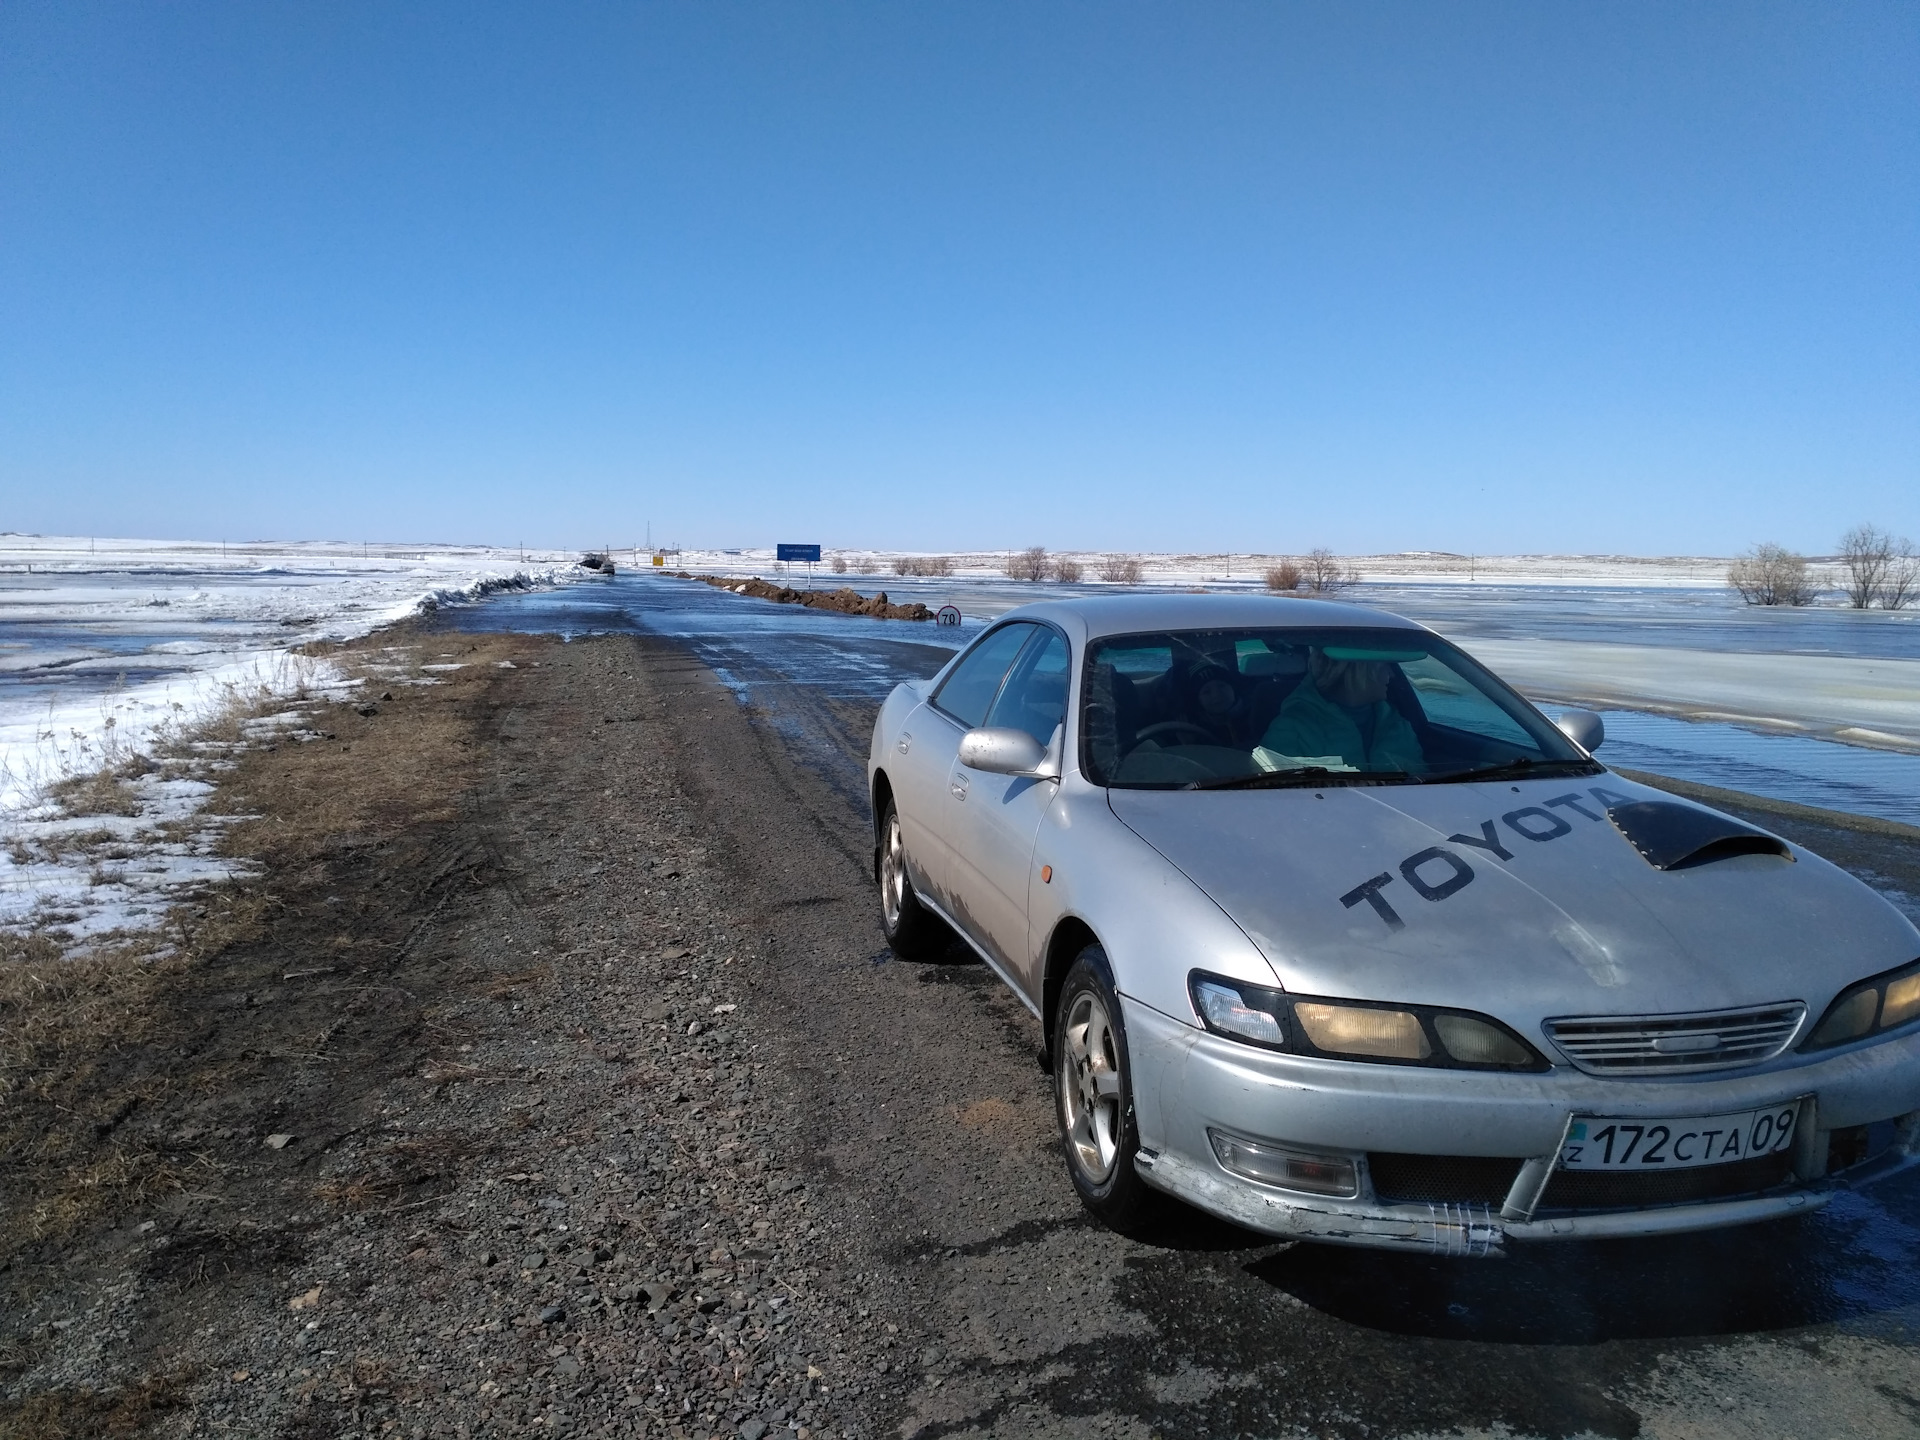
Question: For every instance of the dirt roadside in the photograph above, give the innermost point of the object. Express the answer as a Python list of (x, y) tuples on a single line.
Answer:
[(471, 1128), (543, 1180)]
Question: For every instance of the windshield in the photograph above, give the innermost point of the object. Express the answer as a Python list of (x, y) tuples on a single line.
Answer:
[(1223, 708)]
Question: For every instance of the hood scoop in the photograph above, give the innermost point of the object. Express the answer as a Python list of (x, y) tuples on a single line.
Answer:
[(1678, 837)]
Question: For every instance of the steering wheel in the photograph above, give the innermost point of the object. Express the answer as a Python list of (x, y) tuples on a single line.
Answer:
[(1169, 726)]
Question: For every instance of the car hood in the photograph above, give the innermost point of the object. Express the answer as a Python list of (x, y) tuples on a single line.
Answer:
[(1402, 893)]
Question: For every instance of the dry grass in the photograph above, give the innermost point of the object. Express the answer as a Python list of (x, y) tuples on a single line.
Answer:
[(53, 1010), (85, 1415), (60, 1022), (399, 776), (105, 792)]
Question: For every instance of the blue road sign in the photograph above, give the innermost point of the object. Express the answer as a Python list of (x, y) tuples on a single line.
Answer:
[(809, 553)]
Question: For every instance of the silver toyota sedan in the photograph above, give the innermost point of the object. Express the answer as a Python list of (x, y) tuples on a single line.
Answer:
[(1335, 936)]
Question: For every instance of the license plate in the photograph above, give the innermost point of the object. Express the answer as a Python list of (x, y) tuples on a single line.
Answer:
[(1620, 1142)]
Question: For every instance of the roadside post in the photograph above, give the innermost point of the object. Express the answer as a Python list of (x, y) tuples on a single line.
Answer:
[(809, 553)]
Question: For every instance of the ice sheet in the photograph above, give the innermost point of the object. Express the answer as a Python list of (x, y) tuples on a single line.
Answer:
[(104, 641), (1875, 703)]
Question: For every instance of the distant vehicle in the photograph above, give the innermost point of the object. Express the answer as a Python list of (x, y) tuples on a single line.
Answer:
[(1335, 936)]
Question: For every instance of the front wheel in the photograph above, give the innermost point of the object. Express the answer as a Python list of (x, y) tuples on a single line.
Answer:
[(1093, 1091), (913, 932)]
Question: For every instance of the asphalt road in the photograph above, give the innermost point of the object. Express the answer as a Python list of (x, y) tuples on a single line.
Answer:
[(929, 1121)]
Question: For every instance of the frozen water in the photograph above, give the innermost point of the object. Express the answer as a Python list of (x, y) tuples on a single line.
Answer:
[(1846, 778)]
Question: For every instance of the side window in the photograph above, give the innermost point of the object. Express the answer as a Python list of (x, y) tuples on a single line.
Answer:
[(1449, 699), (1035, 697), (969, 690)]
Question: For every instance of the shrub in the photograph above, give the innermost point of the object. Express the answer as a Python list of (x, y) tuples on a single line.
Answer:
[(1877, 567), (923, 565), (1066, 570), (1121, 569), (1028, 564), (839, 564), (1773, 575), (1284, 577)]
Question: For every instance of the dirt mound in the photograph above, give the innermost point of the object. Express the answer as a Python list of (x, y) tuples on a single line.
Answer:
[(842, 601)]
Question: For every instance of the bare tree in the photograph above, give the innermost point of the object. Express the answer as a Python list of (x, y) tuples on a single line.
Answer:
[(1878, 567), (1284, 577), (1866, 554), (1121, 569), (1066, 570), (1902, 585), (1322, 572), (1028, 564), (839, 564), (1773, 575)]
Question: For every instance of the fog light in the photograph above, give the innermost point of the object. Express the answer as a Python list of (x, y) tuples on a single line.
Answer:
[(1289, 1169), (1475, 1042), (1849, 1019)]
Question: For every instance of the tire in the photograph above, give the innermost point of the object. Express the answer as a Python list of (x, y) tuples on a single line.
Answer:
[(1093, 1097), (913, 932)]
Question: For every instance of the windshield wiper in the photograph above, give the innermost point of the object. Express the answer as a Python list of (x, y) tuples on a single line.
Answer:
[(1303, 776), (1510, 770)]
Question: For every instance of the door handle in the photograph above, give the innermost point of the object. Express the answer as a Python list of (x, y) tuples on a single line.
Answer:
[(957, 784)]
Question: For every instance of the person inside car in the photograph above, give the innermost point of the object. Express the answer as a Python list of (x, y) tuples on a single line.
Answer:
[(1340, 710)]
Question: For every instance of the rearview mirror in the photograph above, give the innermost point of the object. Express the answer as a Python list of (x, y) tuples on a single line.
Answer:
[(1583, 727), (1002, 751)]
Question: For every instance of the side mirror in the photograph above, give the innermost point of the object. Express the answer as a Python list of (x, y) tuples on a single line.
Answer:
[(1583, 727), (1002, 751)]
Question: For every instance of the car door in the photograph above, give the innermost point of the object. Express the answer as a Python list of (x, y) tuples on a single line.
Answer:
[(993, 835), (924, 761)]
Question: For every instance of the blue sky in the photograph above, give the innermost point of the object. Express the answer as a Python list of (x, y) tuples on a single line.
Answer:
[(1136, 276)]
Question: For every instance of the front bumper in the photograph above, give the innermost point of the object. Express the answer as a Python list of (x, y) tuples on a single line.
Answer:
[(1187, 1081)]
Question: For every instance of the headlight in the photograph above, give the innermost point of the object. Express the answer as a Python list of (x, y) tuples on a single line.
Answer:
[(1365, 1030), (1362, 1030), (1885, 1002)]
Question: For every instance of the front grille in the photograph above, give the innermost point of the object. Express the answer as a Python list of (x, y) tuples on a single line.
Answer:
[(1666, 1044), (1442, 1179), (1637, 1189)]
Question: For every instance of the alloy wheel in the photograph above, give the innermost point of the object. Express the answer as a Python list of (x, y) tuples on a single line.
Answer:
[(893, 873), (1091, 1088)]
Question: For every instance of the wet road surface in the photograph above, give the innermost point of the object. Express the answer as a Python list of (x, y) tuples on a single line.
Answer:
[(931, 1130)]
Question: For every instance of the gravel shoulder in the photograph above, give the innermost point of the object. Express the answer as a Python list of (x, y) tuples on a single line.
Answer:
[(609, 1114)]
